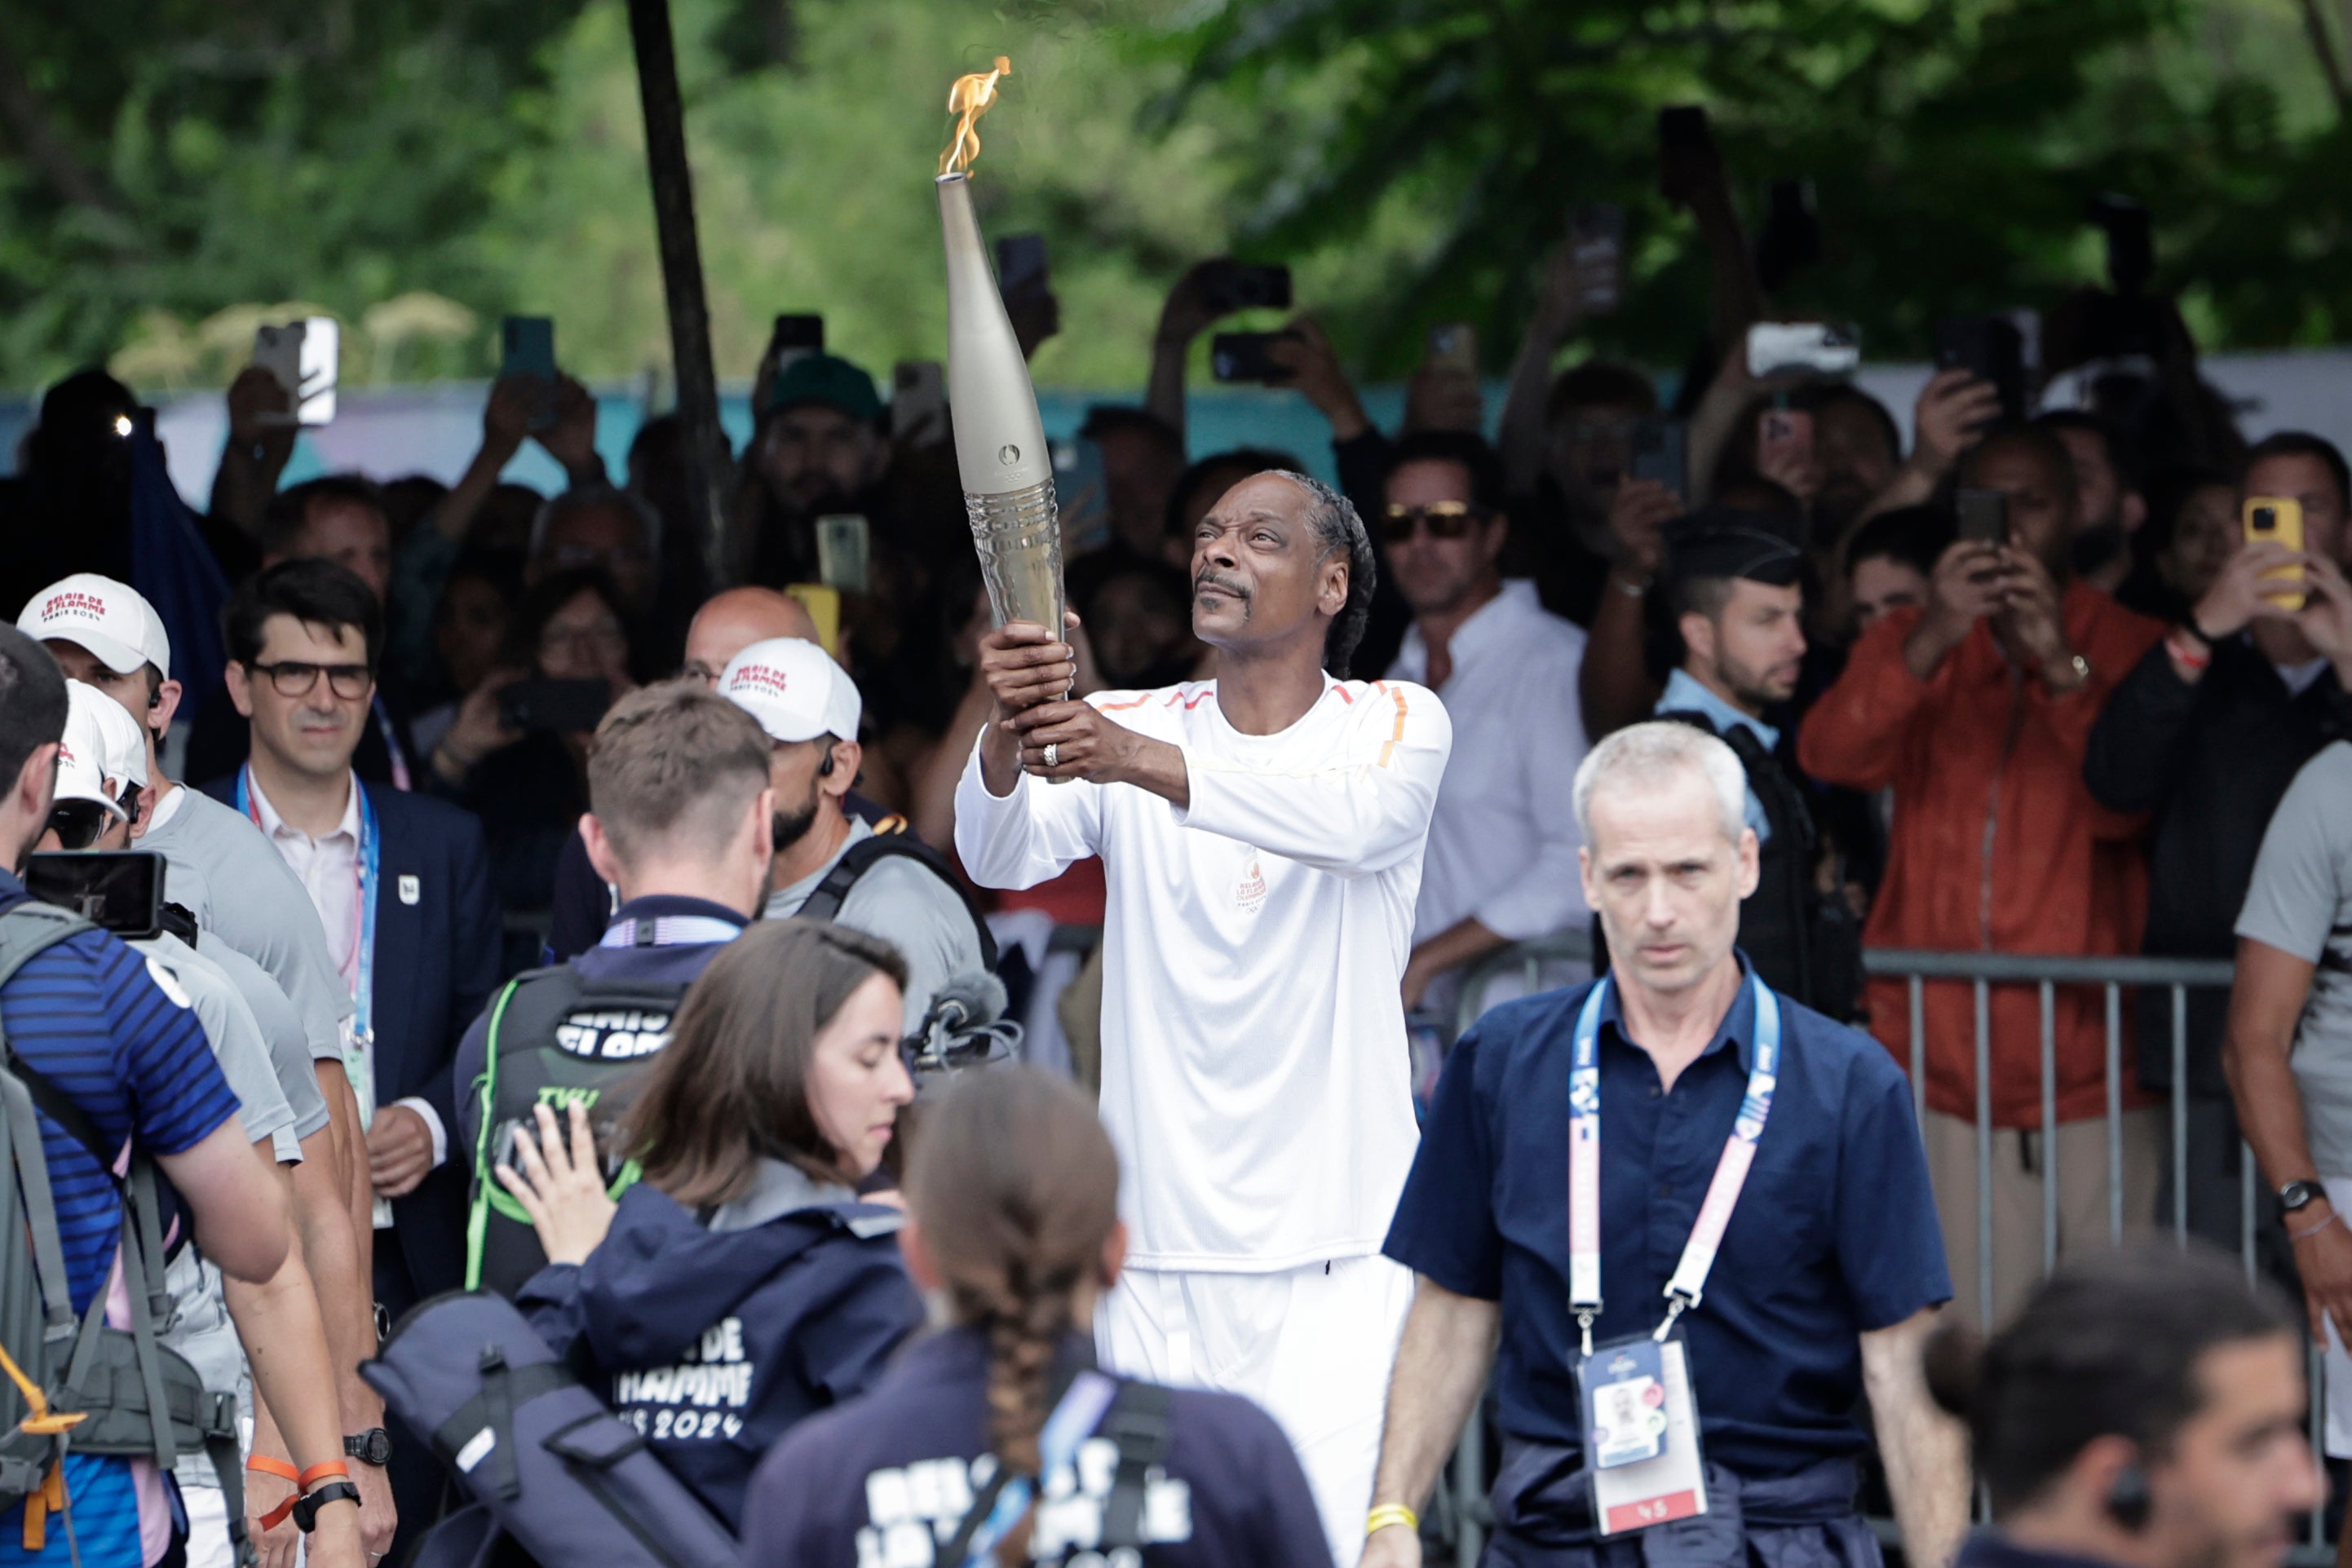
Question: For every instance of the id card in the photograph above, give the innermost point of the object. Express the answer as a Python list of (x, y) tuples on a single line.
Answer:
[(1642, 1435)]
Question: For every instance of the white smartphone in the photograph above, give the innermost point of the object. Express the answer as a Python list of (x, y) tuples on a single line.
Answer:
[(305, 357), (1811, 346)]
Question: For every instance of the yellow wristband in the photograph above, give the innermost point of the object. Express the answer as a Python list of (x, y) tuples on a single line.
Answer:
[(1390, 1513)]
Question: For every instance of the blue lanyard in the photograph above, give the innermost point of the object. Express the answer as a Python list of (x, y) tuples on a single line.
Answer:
[(1687, 1285), (1079, 1412), (371, 869)]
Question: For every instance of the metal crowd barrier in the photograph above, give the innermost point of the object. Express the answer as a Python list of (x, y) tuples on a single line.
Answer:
[(2155, 978)]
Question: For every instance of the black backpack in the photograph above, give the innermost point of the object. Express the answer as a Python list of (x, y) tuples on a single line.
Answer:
[(81, 1386)]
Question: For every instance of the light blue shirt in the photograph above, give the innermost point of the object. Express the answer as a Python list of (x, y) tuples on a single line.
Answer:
[(1686, 693)]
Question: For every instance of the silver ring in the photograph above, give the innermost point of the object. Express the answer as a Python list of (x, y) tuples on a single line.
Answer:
[(1053, 753)]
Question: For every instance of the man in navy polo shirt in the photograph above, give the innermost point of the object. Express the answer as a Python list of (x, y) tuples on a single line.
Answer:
[(1720, 1407)]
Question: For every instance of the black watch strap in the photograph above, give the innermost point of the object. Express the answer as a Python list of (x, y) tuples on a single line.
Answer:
[(306, 1511), (2297, 1194), (372, 1446)]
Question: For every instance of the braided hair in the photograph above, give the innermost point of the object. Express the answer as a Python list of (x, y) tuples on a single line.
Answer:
[(1016, 1186)]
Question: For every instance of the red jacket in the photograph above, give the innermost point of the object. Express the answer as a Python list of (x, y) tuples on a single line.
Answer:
[(1996, 846)]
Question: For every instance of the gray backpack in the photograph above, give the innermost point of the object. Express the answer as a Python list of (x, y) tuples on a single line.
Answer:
[(73, 1384)]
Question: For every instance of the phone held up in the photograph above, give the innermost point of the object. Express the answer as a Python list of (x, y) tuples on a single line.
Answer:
[(1227, 286), (120, 891), (1243, 357), (1991, 348), (565, 707), (527, 348), (1813, 348), (1662, 453), (1983, 516), (2277, 520), (305, 358)]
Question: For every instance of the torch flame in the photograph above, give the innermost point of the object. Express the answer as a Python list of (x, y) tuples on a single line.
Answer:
[(968, 100)]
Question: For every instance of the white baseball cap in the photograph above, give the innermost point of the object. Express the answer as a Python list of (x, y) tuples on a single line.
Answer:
[(101, 747), (120, 628), (794, 689)]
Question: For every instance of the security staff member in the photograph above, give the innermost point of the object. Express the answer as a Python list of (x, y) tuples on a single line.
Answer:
[(678, 818), (1811, 1280), (1732, 581), (2145, 1409)]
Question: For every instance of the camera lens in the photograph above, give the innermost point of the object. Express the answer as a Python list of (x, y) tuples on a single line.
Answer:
[(2265, 519)]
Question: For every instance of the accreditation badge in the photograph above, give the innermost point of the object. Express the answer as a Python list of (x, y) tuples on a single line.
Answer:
[(1641, 1434)]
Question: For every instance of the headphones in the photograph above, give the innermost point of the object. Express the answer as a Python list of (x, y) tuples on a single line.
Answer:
[(824, 768), (2128, 1502)]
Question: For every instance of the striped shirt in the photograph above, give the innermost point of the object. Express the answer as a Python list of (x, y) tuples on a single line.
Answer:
[(89, 1014)]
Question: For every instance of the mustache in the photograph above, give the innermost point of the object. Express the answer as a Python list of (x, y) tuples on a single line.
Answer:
[(1222, 584)]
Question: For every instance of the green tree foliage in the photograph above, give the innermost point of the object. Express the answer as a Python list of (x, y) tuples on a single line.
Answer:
[(1953, 144), (172, 172)]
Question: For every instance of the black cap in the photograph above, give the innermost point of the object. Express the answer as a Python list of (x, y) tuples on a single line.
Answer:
[(1733, 542)]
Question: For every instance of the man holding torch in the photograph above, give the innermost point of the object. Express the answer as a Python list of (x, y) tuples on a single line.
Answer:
[(1262, 835)]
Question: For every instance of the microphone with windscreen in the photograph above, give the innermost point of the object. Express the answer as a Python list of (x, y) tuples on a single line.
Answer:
[(964, 1027)]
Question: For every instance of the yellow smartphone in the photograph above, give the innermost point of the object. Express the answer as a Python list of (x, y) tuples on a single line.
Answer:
[(2277, 520), (823, 605)]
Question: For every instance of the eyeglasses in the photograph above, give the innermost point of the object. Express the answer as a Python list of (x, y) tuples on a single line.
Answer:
[(291, 678), (78, 823), (1444, 520)]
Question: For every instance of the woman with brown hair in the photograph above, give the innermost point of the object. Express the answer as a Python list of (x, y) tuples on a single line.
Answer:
[(1013, 1233), (739, 1285)]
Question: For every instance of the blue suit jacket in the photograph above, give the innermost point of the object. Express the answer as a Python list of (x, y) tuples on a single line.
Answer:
[(438, 934)]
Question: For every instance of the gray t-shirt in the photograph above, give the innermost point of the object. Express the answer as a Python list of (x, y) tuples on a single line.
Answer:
[(2300, 902), (281, 1030), (904, 902), (221, 870), (236, 1040)]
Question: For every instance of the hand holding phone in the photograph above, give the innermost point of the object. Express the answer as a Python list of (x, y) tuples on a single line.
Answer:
[(1983, 516), (1596, 249), (305, 358), (1242, 357), (528, 351)]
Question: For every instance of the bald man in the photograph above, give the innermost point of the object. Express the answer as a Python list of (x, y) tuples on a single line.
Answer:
[(734, 619)]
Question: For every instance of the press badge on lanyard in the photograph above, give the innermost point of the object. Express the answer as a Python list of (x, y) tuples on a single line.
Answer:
[(1641, 1418)]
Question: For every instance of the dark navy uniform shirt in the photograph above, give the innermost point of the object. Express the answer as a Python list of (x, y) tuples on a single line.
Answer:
[(1835, 1231), (886, 1477)]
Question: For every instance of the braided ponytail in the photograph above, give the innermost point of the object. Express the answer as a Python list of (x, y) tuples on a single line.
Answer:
[(1016, 1188)]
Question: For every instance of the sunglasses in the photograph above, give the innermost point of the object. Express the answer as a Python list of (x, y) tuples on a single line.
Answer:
[(1444, 520), (78, 823)]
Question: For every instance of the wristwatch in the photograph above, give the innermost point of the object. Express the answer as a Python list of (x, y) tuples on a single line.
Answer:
[(372, 1446), (2297, 1194), (305, 1510)]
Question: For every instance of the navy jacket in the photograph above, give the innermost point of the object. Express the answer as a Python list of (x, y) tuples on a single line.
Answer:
[(897, 1470), (713, 1342), (436, 962)]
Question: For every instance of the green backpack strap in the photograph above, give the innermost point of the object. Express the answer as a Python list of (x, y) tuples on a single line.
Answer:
[(486, 1091)]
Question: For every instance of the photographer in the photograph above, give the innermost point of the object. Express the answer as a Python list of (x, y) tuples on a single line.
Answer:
[(2144, 1410)]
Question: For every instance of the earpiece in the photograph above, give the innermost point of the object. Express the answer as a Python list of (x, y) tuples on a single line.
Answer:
[(824, 768), (2127, 1499)]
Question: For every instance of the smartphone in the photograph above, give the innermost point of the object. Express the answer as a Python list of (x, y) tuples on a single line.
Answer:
[(2131, 242), (2277, 520), (842, 540), (1227, 286), (1455, 345), (1791, 235), (1983, 516), (1081, 495), (823, 605), (1816, 347), (567, 707), (1242, 357), (1662, 453), (919, 404), (1682, 128), (526, 348), (793, 336), (305, 357), (1989, 348), (120, 890), (1021, 262), (1785, 433), (1596, 250)]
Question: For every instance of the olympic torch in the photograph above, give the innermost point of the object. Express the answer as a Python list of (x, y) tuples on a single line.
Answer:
[(999, 441)]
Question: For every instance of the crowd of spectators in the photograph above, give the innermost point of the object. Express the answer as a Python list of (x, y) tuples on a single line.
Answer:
[(2064, 736)]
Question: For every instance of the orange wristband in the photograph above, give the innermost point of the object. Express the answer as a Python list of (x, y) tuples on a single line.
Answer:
[(302, 1480)]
